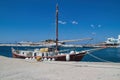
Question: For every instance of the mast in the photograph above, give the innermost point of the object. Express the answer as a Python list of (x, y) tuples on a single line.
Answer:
[(56, 27)]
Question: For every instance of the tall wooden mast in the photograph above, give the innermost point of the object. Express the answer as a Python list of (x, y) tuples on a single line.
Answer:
[(56, 27)]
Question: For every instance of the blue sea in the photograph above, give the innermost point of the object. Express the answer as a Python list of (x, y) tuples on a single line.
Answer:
[(104, 55)]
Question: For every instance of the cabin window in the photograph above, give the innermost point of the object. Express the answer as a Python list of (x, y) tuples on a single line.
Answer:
[(46, 54), (42, 54), (34, 54)]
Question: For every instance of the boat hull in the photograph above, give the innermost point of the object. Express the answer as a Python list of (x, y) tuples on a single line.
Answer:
[(17, 56), (72, 57)]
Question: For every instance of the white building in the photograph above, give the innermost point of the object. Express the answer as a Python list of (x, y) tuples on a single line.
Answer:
[(113, 40)]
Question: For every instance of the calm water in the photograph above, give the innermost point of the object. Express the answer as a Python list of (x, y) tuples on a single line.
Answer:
[(108, 54)]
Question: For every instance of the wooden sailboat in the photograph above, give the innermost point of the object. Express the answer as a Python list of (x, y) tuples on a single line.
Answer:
[(50, 53)]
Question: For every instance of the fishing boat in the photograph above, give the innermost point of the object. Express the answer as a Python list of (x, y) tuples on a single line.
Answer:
[(50, 53)]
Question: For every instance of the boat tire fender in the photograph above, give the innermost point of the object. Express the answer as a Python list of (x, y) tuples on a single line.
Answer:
[(53, 59), (45, 59), (67, 57)]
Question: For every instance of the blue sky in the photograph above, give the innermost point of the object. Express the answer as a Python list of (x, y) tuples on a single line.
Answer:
[(34, 20)]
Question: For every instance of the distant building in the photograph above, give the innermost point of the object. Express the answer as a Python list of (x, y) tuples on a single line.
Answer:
[(112, 41)]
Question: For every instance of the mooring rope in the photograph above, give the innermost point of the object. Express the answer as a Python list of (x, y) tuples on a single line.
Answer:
[(98, 58)]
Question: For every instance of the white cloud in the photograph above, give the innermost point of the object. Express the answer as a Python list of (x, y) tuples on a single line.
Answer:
[(93, 33), (95, 26), (99, 25), (74, 22), (92, 26), (62, 22)]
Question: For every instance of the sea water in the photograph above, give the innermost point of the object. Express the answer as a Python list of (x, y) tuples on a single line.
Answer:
[(103, 55)]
